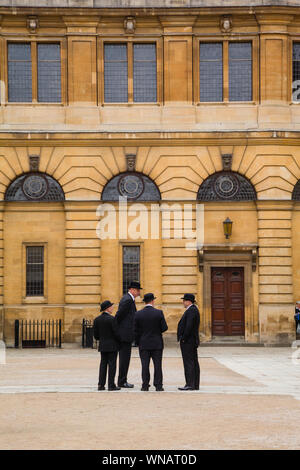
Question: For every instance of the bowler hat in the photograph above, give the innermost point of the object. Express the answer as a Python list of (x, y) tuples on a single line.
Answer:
[(106, 304), (190, 297), (148, 297), (134, 285)]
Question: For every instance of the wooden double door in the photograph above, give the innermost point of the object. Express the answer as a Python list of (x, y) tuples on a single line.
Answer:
[(227, 292)]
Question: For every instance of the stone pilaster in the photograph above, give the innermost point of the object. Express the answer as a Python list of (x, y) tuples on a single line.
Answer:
[(82, 267), (276, 306)]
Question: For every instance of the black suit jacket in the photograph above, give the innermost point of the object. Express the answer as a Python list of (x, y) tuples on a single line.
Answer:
[(106, 331), (149, 325), (188, 326), (125, 318)]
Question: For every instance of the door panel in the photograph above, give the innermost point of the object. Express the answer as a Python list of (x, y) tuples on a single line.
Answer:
[(227, 287)]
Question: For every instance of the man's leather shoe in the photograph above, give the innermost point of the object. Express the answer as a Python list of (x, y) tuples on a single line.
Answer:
[(126, 385), (160, 389), (145, 389), (185, 388), (100, 387), (113, 389)]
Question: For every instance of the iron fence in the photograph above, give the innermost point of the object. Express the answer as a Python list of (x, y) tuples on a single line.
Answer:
[(38, 333), (88, 340)]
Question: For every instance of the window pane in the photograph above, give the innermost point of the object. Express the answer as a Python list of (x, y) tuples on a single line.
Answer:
[(34, 270), (49, 73), (19, 72), (296, 72), (115, 73), (240, 71), (131, 266), (144, 73), (211, 72)]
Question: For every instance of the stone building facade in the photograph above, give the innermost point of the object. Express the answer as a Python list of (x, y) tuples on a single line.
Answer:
[(190, 106)]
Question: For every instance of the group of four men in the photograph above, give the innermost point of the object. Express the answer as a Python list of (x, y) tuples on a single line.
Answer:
[(145, 328)]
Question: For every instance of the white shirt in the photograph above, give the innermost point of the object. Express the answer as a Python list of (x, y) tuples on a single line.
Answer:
[(188, 307), (131, 296)]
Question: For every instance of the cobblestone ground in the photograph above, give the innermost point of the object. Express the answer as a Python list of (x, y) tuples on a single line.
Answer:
[(248, 399)]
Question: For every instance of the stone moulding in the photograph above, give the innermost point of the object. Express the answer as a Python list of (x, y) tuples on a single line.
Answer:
[(145, 3), (233, 248)]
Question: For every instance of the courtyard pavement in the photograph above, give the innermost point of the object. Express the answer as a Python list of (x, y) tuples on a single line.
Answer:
[(234, 370), (248, 399)]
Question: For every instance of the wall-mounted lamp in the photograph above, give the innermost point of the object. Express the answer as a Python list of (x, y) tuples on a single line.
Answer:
[(227, 226)]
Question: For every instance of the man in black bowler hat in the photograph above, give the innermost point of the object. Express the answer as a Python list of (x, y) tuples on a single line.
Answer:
[(188, 336), (125, 318), (149, 325), (106, 331)]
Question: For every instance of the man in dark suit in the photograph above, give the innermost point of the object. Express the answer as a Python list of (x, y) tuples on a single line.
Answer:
[(188, 335), (125, 318), (106, 331), (150, 323)]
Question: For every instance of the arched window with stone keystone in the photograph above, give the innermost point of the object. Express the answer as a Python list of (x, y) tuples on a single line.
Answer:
[(34, 186), (296, 192), (226, 186), (132, 185)]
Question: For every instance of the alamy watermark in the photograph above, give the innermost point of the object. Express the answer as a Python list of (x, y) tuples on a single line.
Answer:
[(152, 222)]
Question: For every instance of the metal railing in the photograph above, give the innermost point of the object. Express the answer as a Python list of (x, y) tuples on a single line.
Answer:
[(38, 333), (88, 340)]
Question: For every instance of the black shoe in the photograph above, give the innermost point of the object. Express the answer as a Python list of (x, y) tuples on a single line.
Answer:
[(126, 385), (113, 389), (101, 387), (145, 389), (186, 387), (160, 389)]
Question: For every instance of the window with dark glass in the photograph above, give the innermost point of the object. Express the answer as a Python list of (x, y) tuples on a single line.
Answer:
[(131, 266), (130, 73), (115, 73), (211, 71), (34, 270), (296, 71), (225, 71), (144, 73), (19, 72), (49, 73), (240, 71), (34, 72)]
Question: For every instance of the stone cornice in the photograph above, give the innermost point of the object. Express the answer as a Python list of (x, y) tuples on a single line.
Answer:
[(93, 139), (120, 4)]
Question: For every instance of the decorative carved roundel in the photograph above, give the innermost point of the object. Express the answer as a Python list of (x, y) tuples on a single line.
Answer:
[(131, 186), (35, 186), (226, 186)]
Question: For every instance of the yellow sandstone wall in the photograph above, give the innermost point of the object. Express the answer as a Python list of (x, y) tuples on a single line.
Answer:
[(178, 142), (83, 270)]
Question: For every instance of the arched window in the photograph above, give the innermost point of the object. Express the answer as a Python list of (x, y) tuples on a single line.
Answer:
[(34, 187), (226, 186), (134, 186), (296, 192)]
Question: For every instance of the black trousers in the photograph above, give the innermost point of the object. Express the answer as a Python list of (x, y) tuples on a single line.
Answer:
[(156, 356), (108, 359), (124, 360), (190, 364)]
